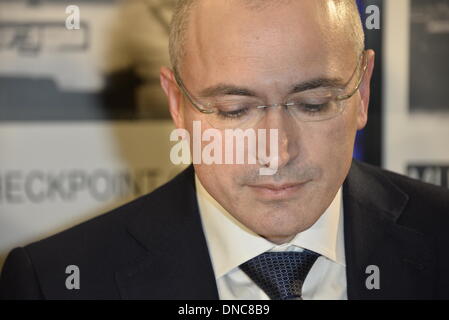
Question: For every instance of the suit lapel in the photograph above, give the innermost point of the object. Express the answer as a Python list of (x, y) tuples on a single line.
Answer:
[(176, 264), (373, 237)]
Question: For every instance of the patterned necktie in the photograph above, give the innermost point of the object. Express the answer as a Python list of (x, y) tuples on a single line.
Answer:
[(280, 274)]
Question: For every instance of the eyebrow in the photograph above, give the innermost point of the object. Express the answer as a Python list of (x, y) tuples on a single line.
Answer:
[(317, 83), (232, 90), (226, 90)]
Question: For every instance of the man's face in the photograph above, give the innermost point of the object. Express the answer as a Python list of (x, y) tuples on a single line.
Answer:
[(268, 51)]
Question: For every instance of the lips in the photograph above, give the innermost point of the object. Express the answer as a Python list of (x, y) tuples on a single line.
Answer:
[(276, 187), (271, 191)]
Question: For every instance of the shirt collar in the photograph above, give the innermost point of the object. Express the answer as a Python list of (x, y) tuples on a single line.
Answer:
[(230, 243)]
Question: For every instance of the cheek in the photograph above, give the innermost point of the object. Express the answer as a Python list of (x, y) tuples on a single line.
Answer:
[(329, 142), (189, 117), (331, 147), (220, 182), (342, 131)]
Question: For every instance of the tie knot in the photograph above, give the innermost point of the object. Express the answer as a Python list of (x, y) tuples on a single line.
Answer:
[(280, 274)]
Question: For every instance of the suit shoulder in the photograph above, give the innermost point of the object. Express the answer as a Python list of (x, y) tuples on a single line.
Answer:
[(18, 280), (98, 247), (414, 187), (108, 224), (111, 225), (422, 197)]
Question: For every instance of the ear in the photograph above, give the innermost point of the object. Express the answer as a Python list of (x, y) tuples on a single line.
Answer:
[(174, 96), (362, 116)]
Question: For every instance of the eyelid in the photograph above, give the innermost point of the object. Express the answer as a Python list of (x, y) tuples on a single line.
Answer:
[(258, 103)]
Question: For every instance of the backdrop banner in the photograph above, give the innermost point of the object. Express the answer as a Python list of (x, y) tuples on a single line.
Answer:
[(416, 111), (84, 125)]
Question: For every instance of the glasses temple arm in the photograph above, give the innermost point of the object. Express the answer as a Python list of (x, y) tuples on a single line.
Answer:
[(359, 83), (186, 93)]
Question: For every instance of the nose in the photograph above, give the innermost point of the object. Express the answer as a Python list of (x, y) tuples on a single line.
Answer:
[(278, 118)]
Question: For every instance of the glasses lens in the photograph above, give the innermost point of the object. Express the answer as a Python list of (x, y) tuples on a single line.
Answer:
[(235, 114), (315, 105)]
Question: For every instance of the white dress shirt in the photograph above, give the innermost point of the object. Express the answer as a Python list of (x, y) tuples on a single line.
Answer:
[(230, 244)]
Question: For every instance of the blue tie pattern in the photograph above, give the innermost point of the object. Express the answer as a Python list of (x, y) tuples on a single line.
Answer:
[(280, 274)]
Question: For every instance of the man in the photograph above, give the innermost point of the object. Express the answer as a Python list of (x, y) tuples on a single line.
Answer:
[(322, 226)]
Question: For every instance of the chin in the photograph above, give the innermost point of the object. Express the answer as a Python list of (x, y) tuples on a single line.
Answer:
[(283, 224)]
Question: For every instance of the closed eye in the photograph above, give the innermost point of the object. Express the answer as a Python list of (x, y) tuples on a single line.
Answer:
[(234, 114), (315, 107)]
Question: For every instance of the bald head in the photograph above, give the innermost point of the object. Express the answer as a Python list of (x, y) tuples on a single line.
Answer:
[(338, 13)]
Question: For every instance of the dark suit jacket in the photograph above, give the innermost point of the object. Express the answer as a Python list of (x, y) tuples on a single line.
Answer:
[(154, 247)]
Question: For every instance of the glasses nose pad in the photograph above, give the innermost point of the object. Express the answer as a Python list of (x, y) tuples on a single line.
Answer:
[(261, 110)]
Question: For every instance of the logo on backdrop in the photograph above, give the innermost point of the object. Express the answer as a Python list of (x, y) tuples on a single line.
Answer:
[(437, 174), (40, 186)]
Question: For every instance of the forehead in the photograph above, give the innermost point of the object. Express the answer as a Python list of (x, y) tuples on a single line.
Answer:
[(228, 37)]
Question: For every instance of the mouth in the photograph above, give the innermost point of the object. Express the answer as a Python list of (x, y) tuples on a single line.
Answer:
[(271, 191)]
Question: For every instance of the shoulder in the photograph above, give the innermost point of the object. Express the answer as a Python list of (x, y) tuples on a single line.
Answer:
[(427, 205), (110, 227), (98, 247), (417, 190)]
